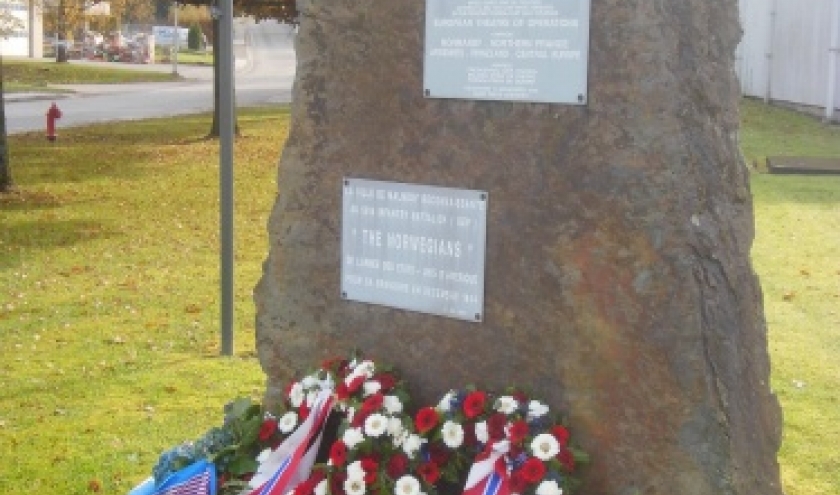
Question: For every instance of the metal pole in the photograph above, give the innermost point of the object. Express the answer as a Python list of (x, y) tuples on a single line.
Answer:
[(226, 134), (833, 55), (175, 42)]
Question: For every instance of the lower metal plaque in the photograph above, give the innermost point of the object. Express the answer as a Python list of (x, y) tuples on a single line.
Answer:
[(414, 247)]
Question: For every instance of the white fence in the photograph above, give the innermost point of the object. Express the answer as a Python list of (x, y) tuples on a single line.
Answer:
[(790, 52)]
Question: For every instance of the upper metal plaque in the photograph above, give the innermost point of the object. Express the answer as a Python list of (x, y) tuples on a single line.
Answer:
[(414, 247), (521, 50)]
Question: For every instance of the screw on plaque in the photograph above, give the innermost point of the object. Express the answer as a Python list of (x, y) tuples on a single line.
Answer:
[(483, 196), (581, 98), (428, 93), (478, 317), (346, 182), (343, 295)]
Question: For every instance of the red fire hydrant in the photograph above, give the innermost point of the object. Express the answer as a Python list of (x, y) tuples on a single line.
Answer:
[(52, 114)]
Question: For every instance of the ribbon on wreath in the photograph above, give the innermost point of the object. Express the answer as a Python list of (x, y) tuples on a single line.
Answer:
[(489, 476), (291, 462)]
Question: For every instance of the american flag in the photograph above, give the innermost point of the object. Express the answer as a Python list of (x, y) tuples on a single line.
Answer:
[(197, 485)]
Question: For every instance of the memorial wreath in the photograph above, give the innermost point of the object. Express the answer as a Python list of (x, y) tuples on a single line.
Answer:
[(472, 441)]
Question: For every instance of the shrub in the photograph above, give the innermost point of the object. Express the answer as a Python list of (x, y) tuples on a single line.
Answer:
[(194, 38)]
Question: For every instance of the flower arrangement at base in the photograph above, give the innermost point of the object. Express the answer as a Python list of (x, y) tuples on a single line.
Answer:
[(369, 397), (510, 437), (482, 443), (233, 447)]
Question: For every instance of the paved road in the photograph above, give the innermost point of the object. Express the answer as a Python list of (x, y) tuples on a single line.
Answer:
[(265, 68)]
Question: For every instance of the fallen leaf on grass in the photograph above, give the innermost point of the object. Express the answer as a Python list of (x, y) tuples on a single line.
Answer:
[(94, 486), (788, 296)]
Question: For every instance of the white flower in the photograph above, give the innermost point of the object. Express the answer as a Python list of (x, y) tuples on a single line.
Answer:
[(399, 438), (392, 404), (536, 409), (407, 485), (445, 404), (549, 487), (310, 399), (481, 433), (355, 471), (288, 422), (321, 488), (545, 446), (365, 368), (296, 395), (351, 411), (371, 387), (395, 429), (352, 437), (354, 486), (264, 455), (376, 425), (411, 445), (506, 404), (453, 434)]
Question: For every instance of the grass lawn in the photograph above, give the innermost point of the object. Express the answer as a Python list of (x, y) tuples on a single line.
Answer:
[(109, 258), (35, 75)]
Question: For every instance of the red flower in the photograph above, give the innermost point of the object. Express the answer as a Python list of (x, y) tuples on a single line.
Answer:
[(496, 426), (397, 466), (369, 464), (517, 431), (338, 453), (426, 419), (370, 477), (386, 380), (533, 470), (567, 459), (269, 426), (469, 435), (337, 483), (517, 483), (303, 411), (438, 454), (561, 434), (430, 472), (474, 404)]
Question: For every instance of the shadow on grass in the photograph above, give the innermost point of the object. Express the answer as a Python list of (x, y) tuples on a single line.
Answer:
[(798, 189), (44, 234)]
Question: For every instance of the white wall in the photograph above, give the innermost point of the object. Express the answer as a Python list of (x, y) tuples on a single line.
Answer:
[(18, 43), (786, 50)]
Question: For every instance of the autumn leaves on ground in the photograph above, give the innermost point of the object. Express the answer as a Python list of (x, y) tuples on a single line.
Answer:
[(109, 317)]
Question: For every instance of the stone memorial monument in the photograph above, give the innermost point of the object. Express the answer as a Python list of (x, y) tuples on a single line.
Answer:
[(541, 193)]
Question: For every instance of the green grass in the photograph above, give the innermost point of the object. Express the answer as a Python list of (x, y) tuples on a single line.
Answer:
[(31, 75), (185, 56), (109, 314), (109, 258), (771, 131)]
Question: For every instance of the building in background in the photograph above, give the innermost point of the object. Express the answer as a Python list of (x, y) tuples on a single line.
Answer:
[(790, 51), (24, 29)]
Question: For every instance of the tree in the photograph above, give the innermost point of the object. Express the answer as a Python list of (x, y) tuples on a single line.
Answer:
[(281, 10), (6, 183)]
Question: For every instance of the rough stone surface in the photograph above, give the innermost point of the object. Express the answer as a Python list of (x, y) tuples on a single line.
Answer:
[(618, 280)]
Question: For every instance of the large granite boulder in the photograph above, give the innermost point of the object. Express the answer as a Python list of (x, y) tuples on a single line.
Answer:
[(618, 281)]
